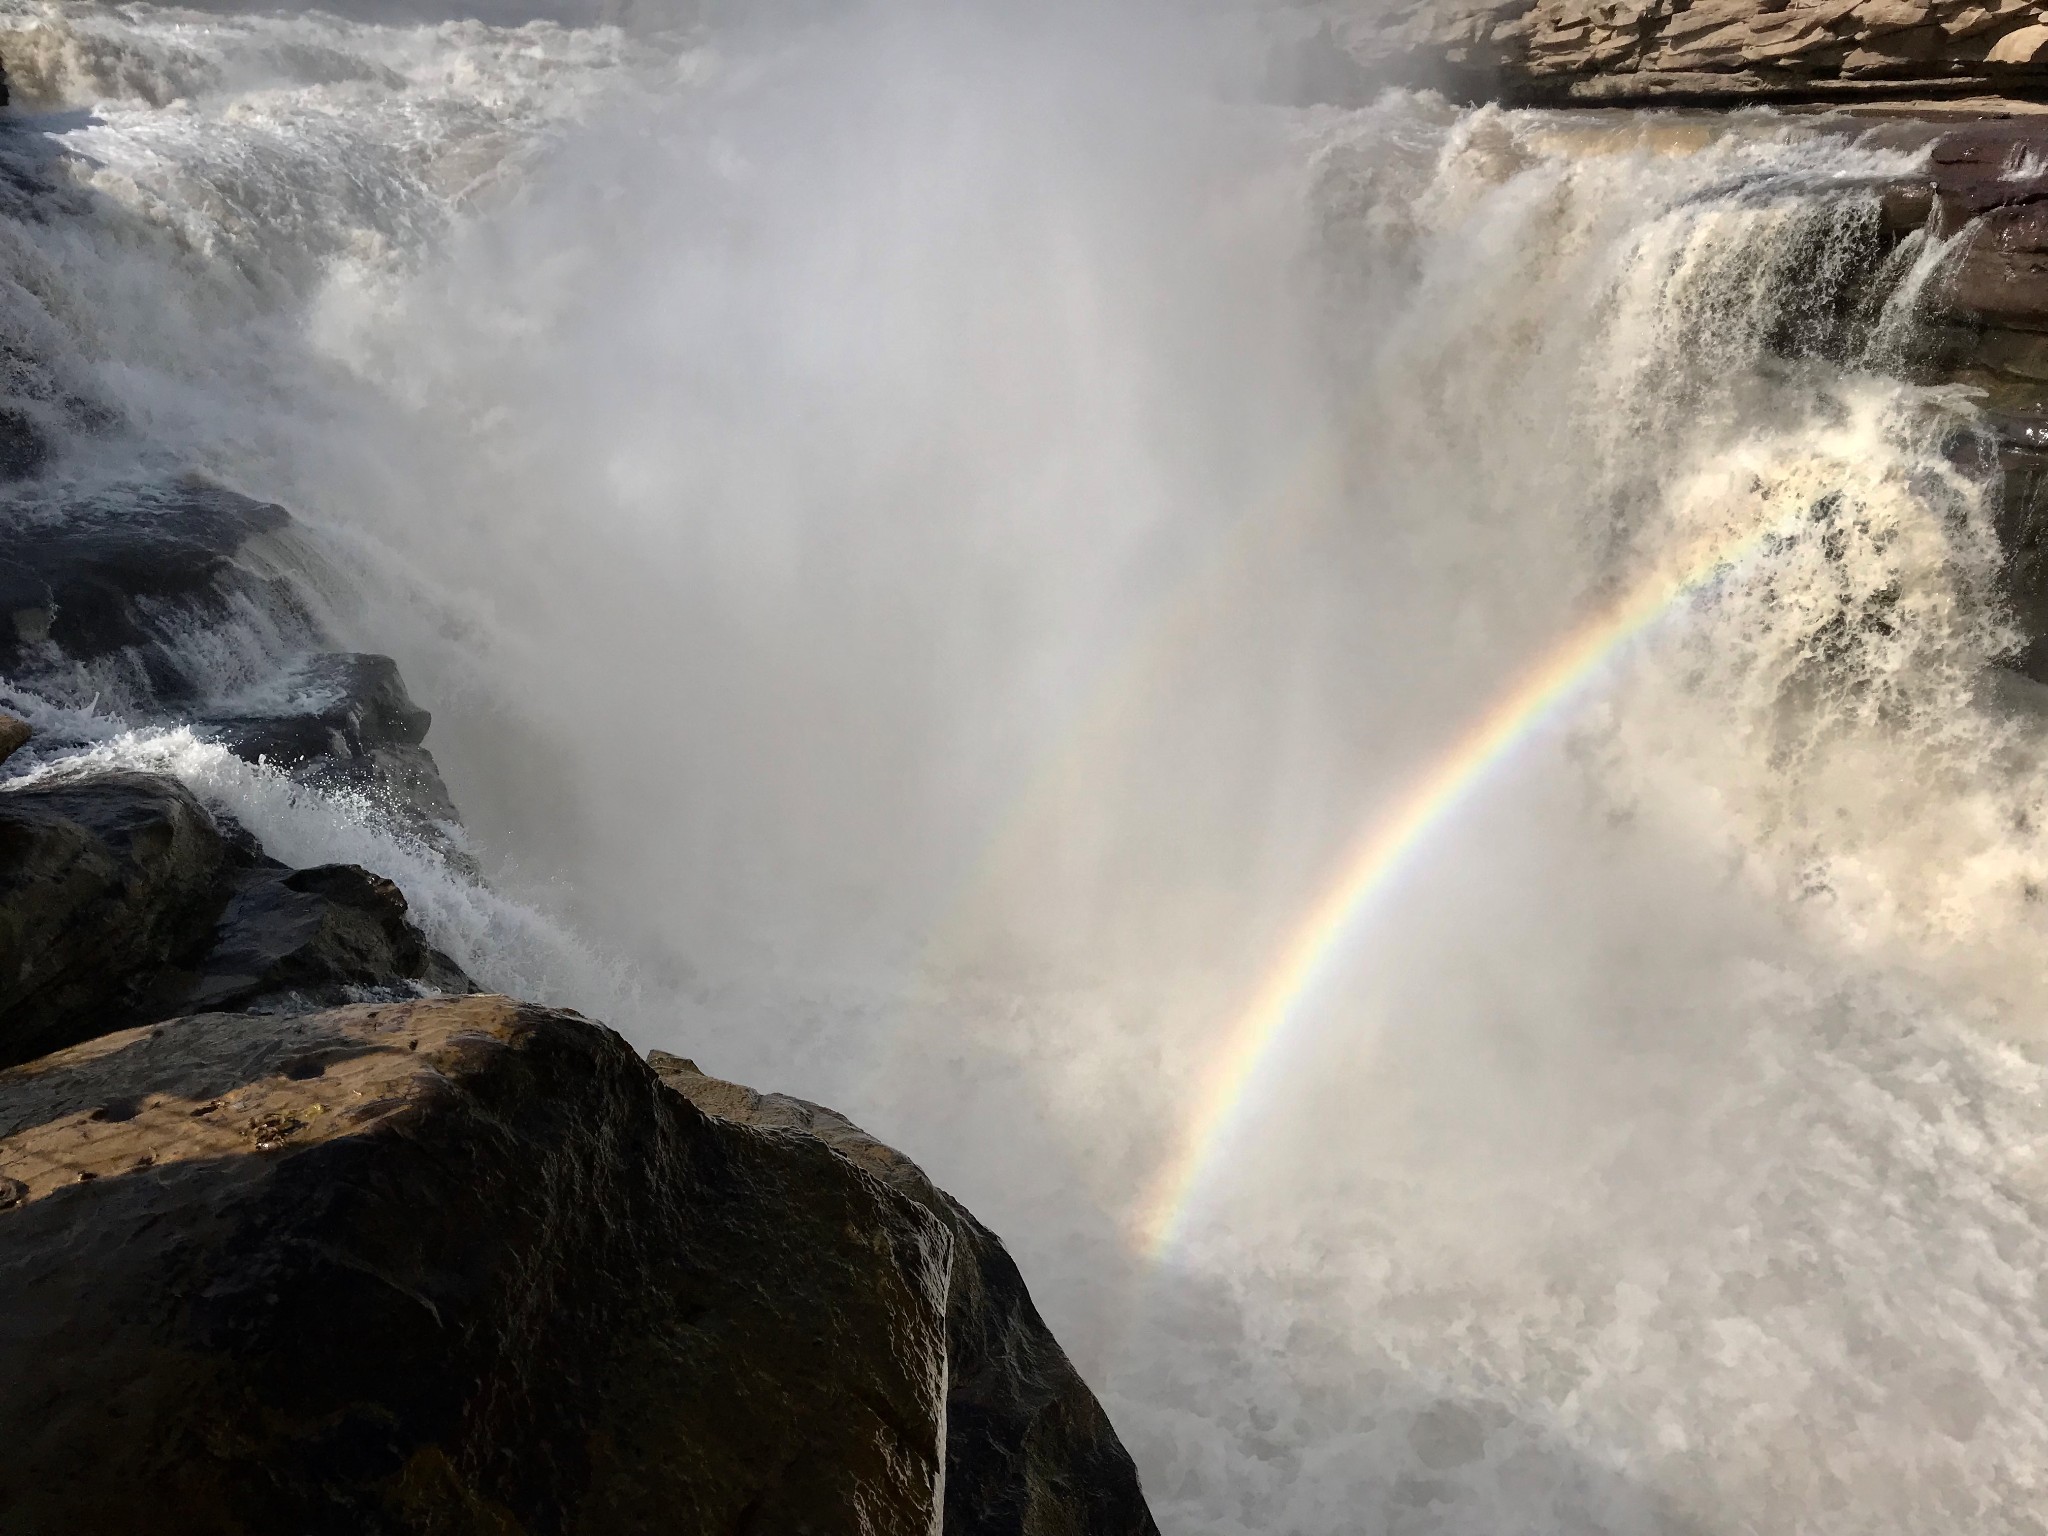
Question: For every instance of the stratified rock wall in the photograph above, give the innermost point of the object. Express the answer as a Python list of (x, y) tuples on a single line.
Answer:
[(1712, 51)]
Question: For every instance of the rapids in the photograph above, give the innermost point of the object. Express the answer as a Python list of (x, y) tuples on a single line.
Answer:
[(927, 533)]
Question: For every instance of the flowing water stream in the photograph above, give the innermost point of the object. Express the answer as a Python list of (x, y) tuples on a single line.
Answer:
[(933, 540)]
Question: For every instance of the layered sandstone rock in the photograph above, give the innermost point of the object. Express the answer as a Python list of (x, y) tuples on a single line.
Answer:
[(1704, 51)]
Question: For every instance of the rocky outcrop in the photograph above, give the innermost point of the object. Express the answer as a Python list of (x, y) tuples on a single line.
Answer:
[(460, 1266), (123, 899), (139, 598), (469, 1266), (341, 722), (1028, 1448), (427, 1261), (1562, 52), (1982, 317), (116, 582)]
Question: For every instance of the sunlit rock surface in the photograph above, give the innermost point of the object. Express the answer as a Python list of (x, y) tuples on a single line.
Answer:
[(469, 1265), (1682, 51)]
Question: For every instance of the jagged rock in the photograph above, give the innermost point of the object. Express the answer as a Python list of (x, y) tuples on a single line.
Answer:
[(121, 576), (129, 598), (460, 1266), (15, 733), (295, 939), (343, 721), (122, 899), (327, 706), (1688, 51), (1028, 1448)]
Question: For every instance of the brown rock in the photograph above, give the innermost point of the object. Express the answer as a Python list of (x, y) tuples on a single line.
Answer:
[(2000, 274), (15, 734), (459, 1266), (2026, 46), (1028, 1448), (1708, 51)]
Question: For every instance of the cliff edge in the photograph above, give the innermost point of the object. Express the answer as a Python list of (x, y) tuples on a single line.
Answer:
[(1702, 52)]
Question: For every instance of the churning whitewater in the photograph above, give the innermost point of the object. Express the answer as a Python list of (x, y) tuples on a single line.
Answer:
[(942, 546)]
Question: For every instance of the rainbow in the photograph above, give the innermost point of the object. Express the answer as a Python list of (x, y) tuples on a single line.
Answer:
[(1388, 845)]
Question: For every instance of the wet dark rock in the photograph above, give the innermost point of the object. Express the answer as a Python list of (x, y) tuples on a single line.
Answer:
[(122, 899), (1028, 1448), (344, 721), (24, 443), (130, 597), (460, 1266), (128, 575), (326, 706), (293, 939), (104, 883)]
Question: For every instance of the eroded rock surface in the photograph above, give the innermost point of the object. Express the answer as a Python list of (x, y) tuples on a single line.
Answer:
[(455, 1266), (1561, 52), (1028, 1448), (342, 721)]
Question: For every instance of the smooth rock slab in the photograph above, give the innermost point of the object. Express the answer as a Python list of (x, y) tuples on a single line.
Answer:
[(453, 1266)]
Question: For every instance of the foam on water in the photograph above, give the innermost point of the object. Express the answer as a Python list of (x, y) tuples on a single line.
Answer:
[(925, 535)]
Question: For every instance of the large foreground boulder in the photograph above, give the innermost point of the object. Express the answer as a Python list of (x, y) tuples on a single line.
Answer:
[(1028, 1448), (454, 1266)]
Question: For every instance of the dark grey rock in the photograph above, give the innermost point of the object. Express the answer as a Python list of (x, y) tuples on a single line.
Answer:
[(291, 940), (104, 883), (129, 573), (337, 706), (122, 899), (345, 721)]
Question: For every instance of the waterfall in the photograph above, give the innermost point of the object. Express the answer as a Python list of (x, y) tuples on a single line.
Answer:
[(927, 536)]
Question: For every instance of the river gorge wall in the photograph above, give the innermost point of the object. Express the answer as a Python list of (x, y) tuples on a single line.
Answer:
[(322, 1211), (1955, 85), (1714, 52)]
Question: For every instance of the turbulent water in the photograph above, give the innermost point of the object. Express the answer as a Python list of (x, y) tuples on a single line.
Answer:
[(926, 535)]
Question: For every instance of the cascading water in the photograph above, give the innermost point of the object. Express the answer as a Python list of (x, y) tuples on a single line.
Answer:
[(929, 536)]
